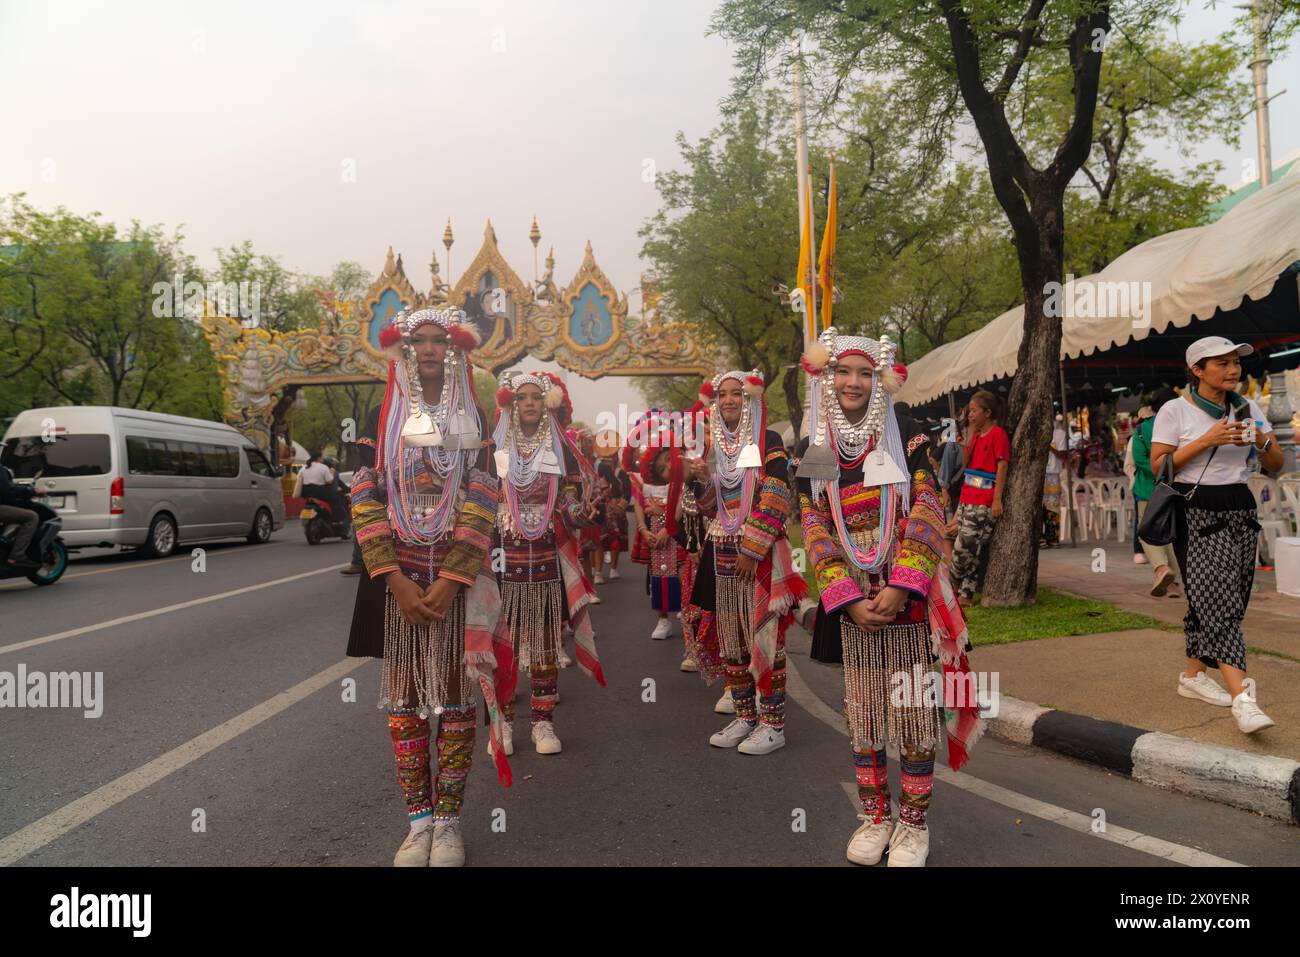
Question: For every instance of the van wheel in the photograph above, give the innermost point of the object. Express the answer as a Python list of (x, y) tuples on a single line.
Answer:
[(161, 540), (262, 527)]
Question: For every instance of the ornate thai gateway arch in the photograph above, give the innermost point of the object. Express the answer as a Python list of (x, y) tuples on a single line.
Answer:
[(584, 327)]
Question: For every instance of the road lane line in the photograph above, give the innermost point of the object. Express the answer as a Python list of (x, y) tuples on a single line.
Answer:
[(125, 567), (798, 689), (54, 825), (140, 616)]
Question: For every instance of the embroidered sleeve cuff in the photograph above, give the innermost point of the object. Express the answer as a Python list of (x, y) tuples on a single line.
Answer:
[(839, 593), (913, 579)]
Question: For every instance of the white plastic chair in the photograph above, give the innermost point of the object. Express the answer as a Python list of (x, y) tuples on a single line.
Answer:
[(1114, 503), (1274, 522), (1289, 499), (1085, 498)]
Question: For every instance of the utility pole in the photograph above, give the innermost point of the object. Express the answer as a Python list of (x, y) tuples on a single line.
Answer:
[(1263, 14)]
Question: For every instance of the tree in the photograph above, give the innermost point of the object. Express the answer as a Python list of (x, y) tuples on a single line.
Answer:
[(716, 241), (981, 53), (285, 300)]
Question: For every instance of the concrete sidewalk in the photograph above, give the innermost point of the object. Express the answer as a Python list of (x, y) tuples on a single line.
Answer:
[(1130, 677)]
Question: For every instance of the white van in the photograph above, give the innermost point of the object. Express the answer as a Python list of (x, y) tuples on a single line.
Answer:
[(143, 479)]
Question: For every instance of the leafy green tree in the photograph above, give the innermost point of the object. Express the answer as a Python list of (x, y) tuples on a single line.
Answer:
[(285, 300), (980, 55)]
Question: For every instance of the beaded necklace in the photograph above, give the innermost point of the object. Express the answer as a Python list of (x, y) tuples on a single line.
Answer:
[(852, 442), (727, 446), (523, 475)]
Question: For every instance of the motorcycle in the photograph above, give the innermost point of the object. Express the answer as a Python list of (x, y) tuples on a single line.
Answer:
[(320, 522), (46, 548)]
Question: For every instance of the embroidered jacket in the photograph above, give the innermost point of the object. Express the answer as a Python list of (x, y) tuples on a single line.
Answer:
[(918, 544), (465, 548), (770, 509)]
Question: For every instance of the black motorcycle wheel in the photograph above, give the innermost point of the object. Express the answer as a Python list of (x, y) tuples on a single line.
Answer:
[(55, 564), (313, 531)]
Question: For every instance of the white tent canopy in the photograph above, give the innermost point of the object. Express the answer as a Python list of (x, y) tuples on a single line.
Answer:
[(1167, 281)]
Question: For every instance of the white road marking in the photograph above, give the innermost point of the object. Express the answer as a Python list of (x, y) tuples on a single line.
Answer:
[(798, 689), (58, 823), (140, 616), (124, 567)]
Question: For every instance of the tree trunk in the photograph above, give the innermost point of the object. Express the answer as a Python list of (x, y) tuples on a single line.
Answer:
[(1012, 577)]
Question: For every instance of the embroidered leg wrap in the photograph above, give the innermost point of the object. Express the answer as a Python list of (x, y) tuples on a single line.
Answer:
[(918, 780), (772, 707), (872, 771), (410, 734), (544, 684), (455, 755), (741, 685)]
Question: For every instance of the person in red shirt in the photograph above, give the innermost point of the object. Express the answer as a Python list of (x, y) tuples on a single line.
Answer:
[(985, 455)]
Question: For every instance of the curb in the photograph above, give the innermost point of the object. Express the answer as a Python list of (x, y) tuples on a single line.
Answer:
[(1265, 785)]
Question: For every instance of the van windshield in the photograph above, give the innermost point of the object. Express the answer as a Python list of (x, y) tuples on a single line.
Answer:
[(30, 456)]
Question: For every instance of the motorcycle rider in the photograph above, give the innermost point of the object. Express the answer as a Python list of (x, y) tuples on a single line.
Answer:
[(12, 497), (319, 481)]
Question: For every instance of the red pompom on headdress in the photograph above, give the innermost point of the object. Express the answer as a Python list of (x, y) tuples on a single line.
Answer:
[(464, 336), (707, 392), (753, 385), (893, 378), (505, 397), (389, 336), (815, 359)]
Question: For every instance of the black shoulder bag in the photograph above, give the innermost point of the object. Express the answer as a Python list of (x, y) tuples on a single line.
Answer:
[(1164, 511)]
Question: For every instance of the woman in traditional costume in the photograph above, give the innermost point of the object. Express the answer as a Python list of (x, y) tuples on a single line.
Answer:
[(874, 534), (746, 585), (542, 505), (423, 516)]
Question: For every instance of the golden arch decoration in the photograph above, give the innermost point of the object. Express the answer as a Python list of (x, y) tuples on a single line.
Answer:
[(586, 327)]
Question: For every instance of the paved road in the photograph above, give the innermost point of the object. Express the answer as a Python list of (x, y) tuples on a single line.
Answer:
[(233, 704)]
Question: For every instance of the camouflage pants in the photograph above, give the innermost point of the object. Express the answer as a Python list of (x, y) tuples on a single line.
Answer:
[(974, 528)]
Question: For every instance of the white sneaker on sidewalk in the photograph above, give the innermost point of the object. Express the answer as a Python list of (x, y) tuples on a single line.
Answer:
[(732, 734), (1203, 688), (868, 843), (598, 579), (414, 851), (908, 847), (448, 846), (1249, 718), (690, 664), (662, 630), (507, 739), (762, 740), (725, 705), (544, 738), (613, 574)]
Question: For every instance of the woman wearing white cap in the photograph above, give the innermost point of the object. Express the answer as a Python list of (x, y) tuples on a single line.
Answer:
[(1209, 433)]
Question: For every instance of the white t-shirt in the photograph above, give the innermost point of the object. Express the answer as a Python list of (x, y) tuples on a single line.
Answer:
[(318, 473), (1058, 445), (1180, 422)]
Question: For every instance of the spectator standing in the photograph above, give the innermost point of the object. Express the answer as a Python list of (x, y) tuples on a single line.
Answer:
[(985, 456), (1163, 561)]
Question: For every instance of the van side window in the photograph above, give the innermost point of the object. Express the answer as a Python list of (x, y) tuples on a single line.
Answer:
[(145, 456), (258, 463), (222, 460)]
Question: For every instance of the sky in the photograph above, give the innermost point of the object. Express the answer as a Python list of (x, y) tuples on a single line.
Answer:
[(328, 131)]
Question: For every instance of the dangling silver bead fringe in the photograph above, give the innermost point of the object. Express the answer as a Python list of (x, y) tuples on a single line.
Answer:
[(534, 613), (422, 658), (871, 662)]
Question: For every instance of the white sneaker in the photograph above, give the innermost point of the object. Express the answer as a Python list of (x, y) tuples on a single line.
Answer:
[(595, 600), (690, 664), (597, 579), (725, 705), (909, 847), (448, 847), (414, 851), (1139, 559), (662, 630), (1249, 718), (762, 740), (1203, 688), (507, 739), (563, 660), (732, 734), (544, 738), (613, 575), (608, 558), (869, 841)]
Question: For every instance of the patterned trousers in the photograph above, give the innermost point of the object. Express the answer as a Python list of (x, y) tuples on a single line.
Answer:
[(544, 681), (1217, 556), (770, 709), (974, 528), (443, 795), (872, 771)]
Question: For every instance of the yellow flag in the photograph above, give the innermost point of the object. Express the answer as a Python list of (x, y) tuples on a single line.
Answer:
[(826, 261), (805, 279)]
